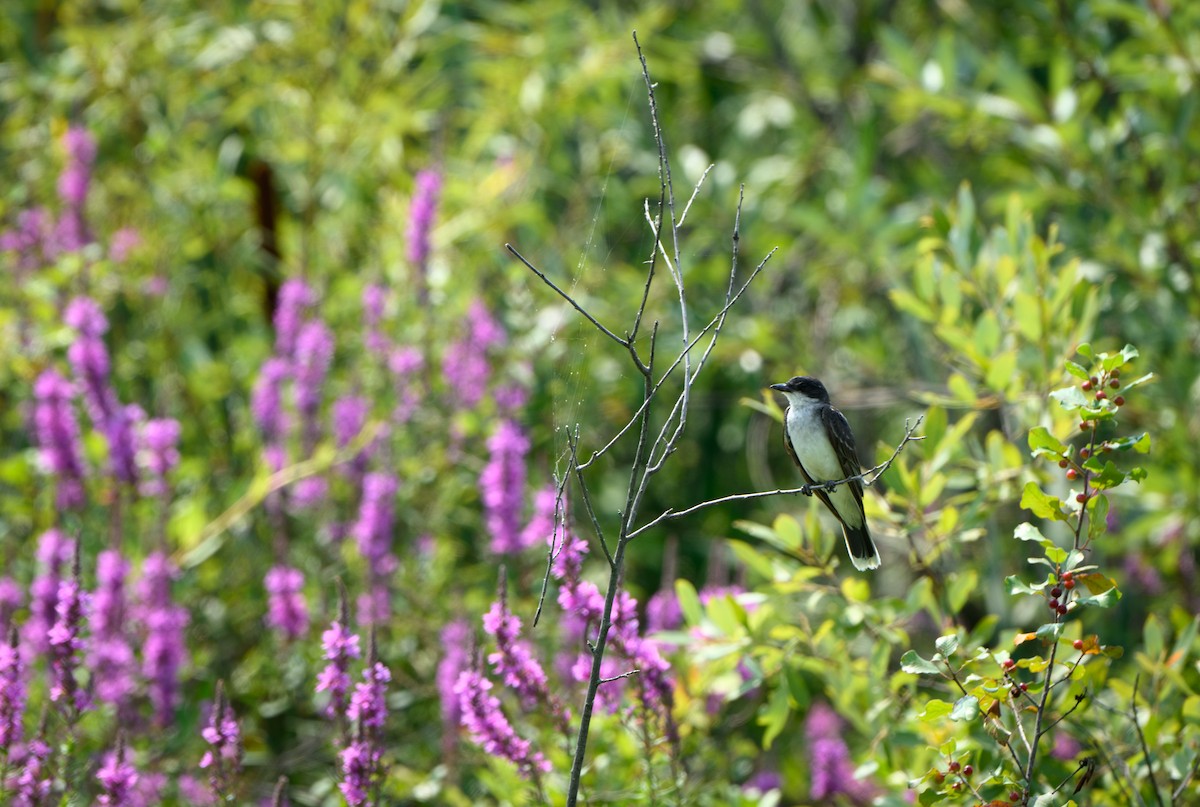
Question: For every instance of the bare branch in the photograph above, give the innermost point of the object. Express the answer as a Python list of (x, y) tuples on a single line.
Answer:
[(678, 360), (555, 548), (805, 490), (628, 674), (566, 297), (585, 495), (695, 193)]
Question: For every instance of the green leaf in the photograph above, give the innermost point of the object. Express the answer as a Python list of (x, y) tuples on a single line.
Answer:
[(965, 708), (1077, 370), (1050, 631), (1070, 398), (773, 715), (1041, 504), (1042, 442), (689, 603), (1055, 555), (912, 662), (1105, 476), (935, 710), (1085, 350), (961, 388), (960, 587), (1104, 591), (1137, 382), (1015, 585), (1028, 532), (1154, 640), (947, 645)]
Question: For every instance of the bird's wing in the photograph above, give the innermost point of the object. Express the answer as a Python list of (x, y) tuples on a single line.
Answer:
[(823, 495), (838, 429)]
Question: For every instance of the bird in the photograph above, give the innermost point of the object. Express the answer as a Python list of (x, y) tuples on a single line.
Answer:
[(819, 441)]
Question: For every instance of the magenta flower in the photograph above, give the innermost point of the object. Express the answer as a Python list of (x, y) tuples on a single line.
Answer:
[(420, 217), (514, 662), (456, 637), (295, 297), (368, 704), (266, 400), (54, 552), (374, 300), (109, 655), (490, 729), (349, 418), (340, 646), (314, 352), (163, 623), (72, 233), (124, 241), (287, 611), (360, 764), (117, 778), (404, 363), (30, 238), (35, 779), (159, 453), (224, 738), (502, 485), (12, 693), (465, 362), (57, 433), (376, 517), (66, 643), (829, 758)]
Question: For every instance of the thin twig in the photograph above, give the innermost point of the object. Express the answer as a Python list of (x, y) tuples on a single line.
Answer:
[(695, 193), (552, 553), (678, 360), (586, 496), (804, 490), (619, 677), (566, 297), (1142, 739)]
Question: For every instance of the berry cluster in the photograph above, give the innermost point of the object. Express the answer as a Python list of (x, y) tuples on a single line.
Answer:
[(959, 771), (1060, 593), (1017, 687)]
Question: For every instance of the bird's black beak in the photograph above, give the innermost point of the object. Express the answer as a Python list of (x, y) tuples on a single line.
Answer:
[(780, 387)]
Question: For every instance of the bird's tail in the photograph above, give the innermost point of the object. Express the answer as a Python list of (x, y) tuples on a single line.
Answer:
[(863, 553)]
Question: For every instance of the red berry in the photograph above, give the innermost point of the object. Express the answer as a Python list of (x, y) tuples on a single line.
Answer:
[(957, 785), (1024, 686), (1063, 463), (1084, 453), (1066, 576), (968, 770), (1009, 664), (1053, 605), (1014, 796), (1072, 474), (954, 766), (1081, 497), (1119, 400), (939, 777), (1086, 385), (1115, 374), (1114, 383), (1101, 395), (1016, 692), (1062, 609), (1068, 584), (1077, 644), (1095, 381), (1056, 592), (1084, 425)]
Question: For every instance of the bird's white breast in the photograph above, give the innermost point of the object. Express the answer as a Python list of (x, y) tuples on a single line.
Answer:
[(816, 454)]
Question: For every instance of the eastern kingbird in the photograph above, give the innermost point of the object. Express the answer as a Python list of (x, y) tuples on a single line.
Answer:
[(819, 440)]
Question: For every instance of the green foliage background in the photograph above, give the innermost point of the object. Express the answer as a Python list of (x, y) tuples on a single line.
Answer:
[(961, 193)]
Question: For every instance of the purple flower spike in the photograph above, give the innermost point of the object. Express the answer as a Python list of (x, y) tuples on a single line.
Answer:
[(57, 432), (360, 763), (287, 611), (490, 729), (465, 362), (456, 637), (110, 656), (314, 352), (420, 217), (376, 516), (118, 778), (223, 760), (163, 653), (829, 758), (295, 297), (514, 662), (340, 646), (159, 454), (66, 643), (11, 598), (502, 484), (368, 704), (266, 400), (12, 693)]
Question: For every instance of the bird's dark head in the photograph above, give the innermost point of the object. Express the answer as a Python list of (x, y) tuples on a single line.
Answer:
[(803, 386)]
